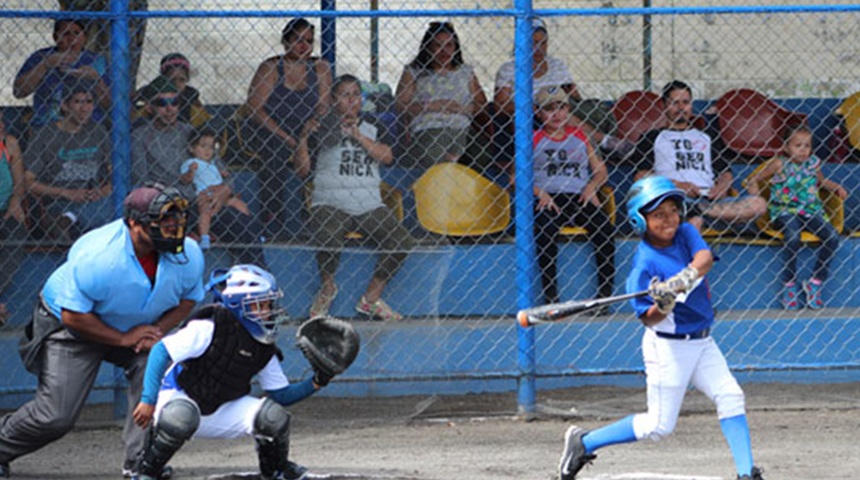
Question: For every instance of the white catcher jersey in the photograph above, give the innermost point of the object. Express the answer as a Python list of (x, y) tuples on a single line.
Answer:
[(192, 341)]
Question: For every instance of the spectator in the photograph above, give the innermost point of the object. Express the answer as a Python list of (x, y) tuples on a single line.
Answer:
[(346, 197), (286, 92), (160, 145), (437, 97), (13, 229), (218, 207), (568, 175), (43, 73), (177, 69), (588, 114), (207, 172), (69, 167), (695, 163), (795, 178), (122, 287)]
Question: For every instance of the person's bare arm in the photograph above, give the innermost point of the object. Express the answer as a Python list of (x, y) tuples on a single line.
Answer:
[(404, 98), (302, 156), (834, 187), (504, 101), (27, 83), (15, 207), (324, 80), (171, 318), (378, 151), (188, 176), (767, 171), (40, 189), (479, 98), (721, 186), (91, 327), (599, 176)]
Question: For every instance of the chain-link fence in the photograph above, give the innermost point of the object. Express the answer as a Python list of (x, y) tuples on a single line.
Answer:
[(364, 152)]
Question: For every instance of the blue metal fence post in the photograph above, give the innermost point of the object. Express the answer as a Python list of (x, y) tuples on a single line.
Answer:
[(120, 136), (524, 214), (328, 35), (120, 101)]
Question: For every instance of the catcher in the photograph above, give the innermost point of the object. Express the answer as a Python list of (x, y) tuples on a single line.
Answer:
[(209, 364)]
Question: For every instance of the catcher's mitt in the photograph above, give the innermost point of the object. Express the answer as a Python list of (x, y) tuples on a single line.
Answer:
[(329, 344)]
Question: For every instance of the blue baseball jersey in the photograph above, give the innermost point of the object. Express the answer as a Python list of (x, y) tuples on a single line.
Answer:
[(102, 275), (696, 313)]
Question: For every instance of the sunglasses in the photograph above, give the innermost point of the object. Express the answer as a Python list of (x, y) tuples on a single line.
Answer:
[(164, 101)]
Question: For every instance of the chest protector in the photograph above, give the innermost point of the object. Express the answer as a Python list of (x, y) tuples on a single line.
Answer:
[(224, 371)]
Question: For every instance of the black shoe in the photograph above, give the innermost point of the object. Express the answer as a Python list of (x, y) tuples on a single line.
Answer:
[(5, 472), (574, 457), (129, 470), (756, 475), (293, 471)]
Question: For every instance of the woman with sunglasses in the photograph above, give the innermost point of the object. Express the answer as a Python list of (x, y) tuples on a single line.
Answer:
[(437, 97)]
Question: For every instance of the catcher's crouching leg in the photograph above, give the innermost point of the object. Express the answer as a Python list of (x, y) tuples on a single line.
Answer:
[(178, 421), (272, 434)]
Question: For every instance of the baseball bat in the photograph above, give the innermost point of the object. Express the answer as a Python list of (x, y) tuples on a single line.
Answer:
[(559, 311)]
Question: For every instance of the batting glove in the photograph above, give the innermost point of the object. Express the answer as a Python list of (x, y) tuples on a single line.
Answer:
[(664, 298), (683, 281)]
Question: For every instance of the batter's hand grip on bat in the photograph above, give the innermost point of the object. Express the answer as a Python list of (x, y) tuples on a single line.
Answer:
[(554, 312)]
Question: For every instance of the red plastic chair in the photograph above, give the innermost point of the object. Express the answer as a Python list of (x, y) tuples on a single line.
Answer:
[(751, 124), (636, 112)]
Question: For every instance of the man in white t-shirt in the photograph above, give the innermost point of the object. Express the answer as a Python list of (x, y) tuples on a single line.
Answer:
[(696, 164)]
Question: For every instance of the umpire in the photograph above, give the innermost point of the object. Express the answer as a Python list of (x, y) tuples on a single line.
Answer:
[(122, 287)]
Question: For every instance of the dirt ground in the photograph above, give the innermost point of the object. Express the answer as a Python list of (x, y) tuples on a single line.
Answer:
[(798, 432)]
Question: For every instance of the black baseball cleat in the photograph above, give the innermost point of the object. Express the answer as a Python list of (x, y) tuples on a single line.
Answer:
[(4, 470), (129, 470), (755, 475), (293, 471), (574, 457)]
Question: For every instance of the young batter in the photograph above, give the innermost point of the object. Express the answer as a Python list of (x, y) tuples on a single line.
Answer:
[(671, 262)]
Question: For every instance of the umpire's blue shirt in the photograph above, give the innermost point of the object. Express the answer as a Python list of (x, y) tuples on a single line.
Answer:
[(103, 276)]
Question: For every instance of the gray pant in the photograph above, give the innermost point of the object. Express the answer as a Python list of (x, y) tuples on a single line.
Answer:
[(69, 370), (381, 228)]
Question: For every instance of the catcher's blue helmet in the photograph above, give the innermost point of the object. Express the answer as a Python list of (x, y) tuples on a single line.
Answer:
[(646, 194), (252, 294)]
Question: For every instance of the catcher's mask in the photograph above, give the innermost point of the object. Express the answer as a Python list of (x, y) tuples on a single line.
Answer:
[(252, 294), (647, 194), (164, 210)]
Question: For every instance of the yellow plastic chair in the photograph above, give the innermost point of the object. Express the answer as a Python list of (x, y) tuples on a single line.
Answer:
[(453, 199), (391, 197), (849, 110), (606, 195), (833, 206)]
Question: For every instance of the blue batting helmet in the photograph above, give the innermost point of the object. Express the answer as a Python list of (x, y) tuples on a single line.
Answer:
[(646, 194)]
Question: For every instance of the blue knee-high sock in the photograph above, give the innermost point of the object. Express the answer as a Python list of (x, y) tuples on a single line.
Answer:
[(618, 432), (737, 433)]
